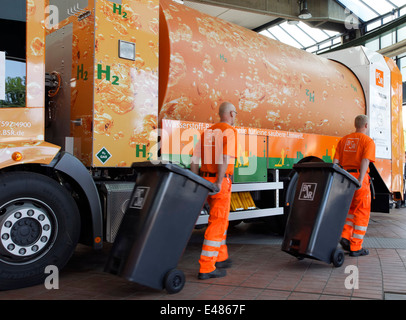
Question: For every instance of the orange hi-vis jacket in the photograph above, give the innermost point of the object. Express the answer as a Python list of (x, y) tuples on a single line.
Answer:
[(218, 140), (354, 147), (350, 151)]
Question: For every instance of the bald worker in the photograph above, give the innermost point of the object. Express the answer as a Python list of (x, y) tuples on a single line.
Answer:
[(217, 151), (354, 153)]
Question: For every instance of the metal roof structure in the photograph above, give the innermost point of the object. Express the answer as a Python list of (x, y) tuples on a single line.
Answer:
[(323, 31)]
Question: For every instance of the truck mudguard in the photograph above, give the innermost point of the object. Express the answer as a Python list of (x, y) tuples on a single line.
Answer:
[(71, 166)]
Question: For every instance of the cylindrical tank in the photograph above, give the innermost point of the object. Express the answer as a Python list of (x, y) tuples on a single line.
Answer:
[(205, 60)]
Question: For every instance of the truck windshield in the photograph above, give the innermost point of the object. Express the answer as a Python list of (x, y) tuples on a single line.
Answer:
[(12, 54), (14, 85)]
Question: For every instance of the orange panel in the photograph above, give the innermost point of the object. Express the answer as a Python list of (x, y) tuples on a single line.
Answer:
[(31, 151), (35, 53), (22, 129), (398, 149), (81, 82), (125, 91), (384, 167), (28, 123)]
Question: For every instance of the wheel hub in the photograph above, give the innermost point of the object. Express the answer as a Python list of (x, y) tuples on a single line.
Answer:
[(25, 231)]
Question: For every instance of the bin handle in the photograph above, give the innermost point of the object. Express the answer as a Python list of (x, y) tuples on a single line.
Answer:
[(180, 164), (215, 191)]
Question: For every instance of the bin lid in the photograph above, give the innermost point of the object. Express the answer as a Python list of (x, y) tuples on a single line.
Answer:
[(328, 166), (176, 169)]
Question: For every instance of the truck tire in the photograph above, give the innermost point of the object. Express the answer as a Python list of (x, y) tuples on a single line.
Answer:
[(39, 227)]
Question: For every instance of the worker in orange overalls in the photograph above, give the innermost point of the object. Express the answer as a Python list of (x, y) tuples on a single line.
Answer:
[(354, 153), (217, 152)]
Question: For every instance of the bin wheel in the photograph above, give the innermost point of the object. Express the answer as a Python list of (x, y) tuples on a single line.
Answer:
[(174, 281), (338, 258)]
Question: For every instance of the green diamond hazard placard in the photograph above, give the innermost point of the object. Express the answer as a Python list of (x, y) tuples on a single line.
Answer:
[(103, 155)]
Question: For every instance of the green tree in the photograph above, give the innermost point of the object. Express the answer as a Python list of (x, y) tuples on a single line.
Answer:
[(15, 93)]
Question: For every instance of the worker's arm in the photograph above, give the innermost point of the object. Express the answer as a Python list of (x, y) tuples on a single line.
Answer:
[(194, 162), (194, 167), (221, 170), (195, 159), (363, 170), (335, 161)]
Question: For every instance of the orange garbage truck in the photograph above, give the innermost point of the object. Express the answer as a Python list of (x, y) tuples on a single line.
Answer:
[(88, 87)]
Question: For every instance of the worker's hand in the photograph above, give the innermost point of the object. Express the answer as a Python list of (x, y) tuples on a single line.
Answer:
[(217, 187), (360, 184)]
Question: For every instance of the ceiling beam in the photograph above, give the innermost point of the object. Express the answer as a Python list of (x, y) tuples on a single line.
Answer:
[(394, 50), (389, 27), (287, 9)]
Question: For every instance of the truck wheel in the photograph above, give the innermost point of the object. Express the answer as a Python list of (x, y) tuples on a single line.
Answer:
[(39, 227)]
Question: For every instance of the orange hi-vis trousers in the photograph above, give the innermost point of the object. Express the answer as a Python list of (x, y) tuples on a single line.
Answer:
[(358, 216), (214, 245)]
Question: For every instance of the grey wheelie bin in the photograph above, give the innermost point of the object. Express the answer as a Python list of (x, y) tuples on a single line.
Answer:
[(160, 217), (323, 197)]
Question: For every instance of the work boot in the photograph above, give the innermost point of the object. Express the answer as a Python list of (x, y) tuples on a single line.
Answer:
[(217, 273), (224, 264), (345, 243), (362, 252)]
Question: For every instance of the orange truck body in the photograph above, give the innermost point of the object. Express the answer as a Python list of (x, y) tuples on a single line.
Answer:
[(140, 80), (202, 61)]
